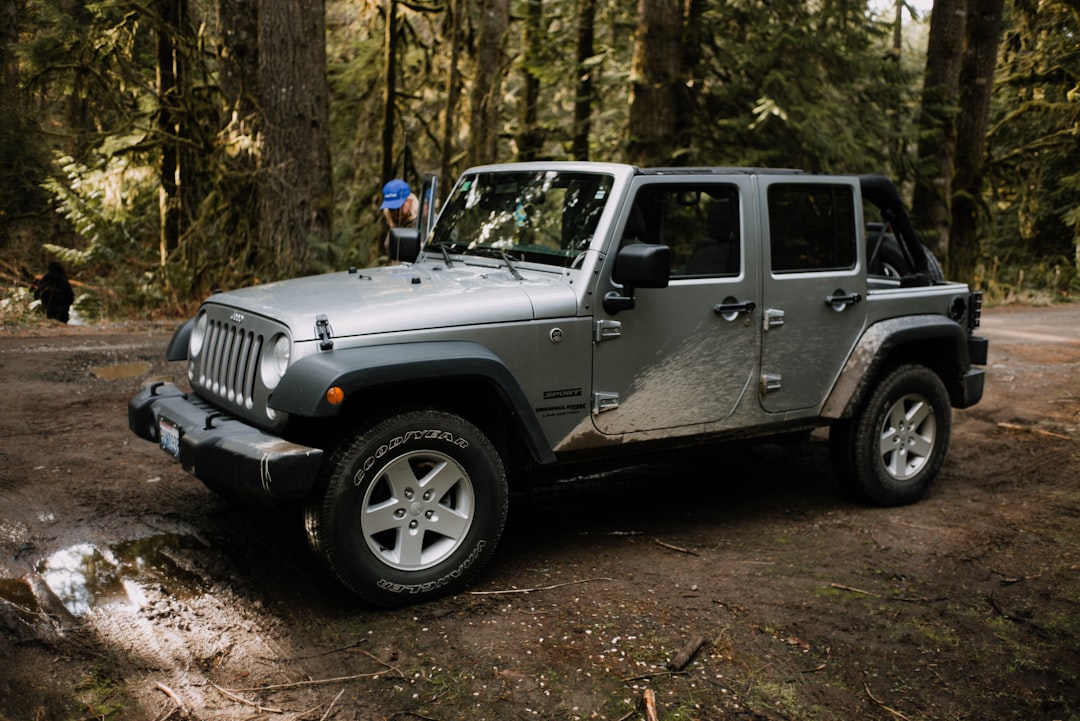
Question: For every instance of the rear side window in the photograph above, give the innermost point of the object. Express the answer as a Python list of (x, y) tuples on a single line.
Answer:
[(811, 227)]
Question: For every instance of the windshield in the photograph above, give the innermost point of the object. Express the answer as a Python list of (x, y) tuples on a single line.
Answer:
[(534, 216)]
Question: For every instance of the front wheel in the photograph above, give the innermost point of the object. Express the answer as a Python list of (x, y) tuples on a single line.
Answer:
[(411, 507), (894, 447)]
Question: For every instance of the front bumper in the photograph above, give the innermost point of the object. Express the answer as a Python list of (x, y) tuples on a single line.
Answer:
[(225, 453)]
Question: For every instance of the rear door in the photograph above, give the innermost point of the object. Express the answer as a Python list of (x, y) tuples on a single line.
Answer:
[(814, 288)]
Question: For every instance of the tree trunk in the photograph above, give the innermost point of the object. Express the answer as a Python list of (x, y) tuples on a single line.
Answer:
[(490, 65), (453, 89), (390, 91), (583, 95), (931, 209), (530, 140), (170, 82), (294, 182), (976, 89), (654, 82)]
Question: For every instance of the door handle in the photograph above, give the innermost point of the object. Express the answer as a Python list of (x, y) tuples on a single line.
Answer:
[(730, 308), (841, 299)]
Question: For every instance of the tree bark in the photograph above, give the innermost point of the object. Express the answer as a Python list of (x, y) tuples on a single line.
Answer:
[(931, 205), (170, 84), (490, 65), (294, 181), (583, 95), (390, 73), (976, 89), (530, 141), (654, 82), (453, 89)]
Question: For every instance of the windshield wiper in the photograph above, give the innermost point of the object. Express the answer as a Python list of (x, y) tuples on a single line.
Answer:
[(510, 266), (445, 255)]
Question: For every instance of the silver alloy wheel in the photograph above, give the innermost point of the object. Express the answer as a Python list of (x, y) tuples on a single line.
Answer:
[(418, 510), (908, 434)]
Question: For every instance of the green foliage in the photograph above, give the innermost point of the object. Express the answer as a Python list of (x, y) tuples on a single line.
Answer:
[(788, 83), (1034, 183)]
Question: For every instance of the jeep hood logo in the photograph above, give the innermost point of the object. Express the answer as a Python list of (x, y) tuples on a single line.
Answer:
[(237, 317)]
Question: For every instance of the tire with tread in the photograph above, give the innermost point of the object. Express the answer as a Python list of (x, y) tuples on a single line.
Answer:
[(893, 448), (410, 508)]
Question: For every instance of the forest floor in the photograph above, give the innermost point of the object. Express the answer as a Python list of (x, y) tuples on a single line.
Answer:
[(129, 591)]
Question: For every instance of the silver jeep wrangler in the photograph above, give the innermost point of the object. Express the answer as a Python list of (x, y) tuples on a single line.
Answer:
[(559, 313)]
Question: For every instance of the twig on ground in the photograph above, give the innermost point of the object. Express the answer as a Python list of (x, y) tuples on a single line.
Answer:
[(379, 661), (314, 682), (644, 676), (842, 587), (175, 699), (331, 706), (687, 551), (893, 711), (1032, 429), (240, 699), (533, 590)]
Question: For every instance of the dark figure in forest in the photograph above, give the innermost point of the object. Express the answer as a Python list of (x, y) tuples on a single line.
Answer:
[(54, 292)]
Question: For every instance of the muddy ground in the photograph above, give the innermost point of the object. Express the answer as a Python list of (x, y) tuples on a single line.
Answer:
[(129, 591)]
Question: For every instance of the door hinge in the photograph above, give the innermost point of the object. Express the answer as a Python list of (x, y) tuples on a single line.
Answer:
[(773, 318), (770, 382), (603, 402), (607, 330)]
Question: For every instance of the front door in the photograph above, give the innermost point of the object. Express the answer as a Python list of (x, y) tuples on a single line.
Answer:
[(685, 355)]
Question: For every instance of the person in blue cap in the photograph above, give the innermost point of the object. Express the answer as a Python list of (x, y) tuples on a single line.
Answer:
[(400, 208), (399, 205)]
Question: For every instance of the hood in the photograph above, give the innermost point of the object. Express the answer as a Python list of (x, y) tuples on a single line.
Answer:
[(405, 297)]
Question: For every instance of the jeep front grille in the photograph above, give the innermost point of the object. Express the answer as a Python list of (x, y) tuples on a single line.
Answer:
[(226, 369), (231, 362)]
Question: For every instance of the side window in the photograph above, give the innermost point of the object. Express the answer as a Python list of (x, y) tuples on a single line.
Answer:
[(811, 227), (700, 223)]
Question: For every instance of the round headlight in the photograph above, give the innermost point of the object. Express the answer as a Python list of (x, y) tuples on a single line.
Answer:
[(198, 335), (276, 360)]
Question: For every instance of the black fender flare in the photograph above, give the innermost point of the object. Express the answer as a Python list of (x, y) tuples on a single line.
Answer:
[(302, 391), (178, 344), (879, 341)]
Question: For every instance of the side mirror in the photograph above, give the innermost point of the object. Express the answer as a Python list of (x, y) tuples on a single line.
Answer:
[(404, 244), (639, 265)]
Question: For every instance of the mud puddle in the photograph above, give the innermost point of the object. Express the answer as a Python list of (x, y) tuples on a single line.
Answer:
[(83, 576)]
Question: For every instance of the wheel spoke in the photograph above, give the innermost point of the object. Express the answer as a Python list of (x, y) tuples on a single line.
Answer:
[(381, 517), (440, 479), (919, 412), (410, 549), (921, 446), (451, 523)]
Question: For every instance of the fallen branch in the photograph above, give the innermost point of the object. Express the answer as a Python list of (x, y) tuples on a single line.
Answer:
[(533, 590), (379, 661), (684, 656), (842, 587), (650, 705), (893, 711), (687, 551)]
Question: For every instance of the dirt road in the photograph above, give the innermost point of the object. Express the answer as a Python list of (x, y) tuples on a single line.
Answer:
[(129, 591)]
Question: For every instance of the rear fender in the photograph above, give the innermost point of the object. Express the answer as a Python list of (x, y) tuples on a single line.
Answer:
[(884, 340)]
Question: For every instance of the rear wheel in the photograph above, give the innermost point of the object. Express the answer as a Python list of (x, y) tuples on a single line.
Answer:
[(411, 507), (893, 448)]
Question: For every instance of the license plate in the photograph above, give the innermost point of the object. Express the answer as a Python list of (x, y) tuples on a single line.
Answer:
[(169, 437)]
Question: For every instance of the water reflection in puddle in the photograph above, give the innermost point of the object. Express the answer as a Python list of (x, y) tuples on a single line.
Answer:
[(84, 576)]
